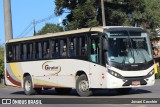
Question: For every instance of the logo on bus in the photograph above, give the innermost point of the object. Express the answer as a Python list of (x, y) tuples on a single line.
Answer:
[(52, 67)]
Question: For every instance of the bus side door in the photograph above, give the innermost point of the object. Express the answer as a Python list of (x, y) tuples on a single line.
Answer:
[(96, 69)]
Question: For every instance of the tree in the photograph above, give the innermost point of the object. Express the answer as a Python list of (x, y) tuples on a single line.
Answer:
[(151, 17), (50, 28), (1, 61), (81, 14), (125, 12), (1, 67), (87, 13)]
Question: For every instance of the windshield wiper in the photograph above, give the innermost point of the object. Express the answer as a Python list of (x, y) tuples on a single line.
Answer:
[(141, 55), (132, 53), (129, 42)]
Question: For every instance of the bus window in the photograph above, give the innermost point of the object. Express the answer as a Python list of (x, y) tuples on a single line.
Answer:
[(46, 50), (95, 49), (9, 53), (63, 47), (23, 52), (17, 52), (72, 47), (55, 49), (82, 46), (29, 51), (38, 50)]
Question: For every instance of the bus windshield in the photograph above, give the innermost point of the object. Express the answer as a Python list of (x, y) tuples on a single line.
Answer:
[(129, 49)]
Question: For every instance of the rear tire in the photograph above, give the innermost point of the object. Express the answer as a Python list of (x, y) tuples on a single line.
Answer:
[(82, 86), (63, 90), (28, 86)]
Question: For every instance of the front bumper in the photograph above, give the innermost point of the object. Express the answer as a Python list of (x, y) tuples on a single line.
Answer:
[(126, 82)]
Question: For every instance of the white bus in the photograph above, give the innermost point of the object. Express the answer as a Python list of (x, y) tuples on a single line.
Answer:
[(117, 58)]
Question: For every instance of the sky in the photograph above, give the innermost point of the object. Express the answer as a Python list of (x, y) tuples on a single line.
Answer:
[(24, 12)]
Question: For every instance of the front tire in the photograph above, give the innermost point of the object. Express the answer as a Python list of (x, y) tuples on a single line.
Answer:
[(82, 86), (28, 86)]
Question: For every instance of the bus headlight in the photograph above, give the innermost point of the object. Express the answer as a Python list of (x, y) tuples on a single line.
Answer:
[(150, 73), (115, 74)]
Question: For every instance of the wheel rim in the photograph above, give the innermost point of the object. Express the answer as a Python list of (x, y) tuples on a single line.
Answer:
[(28, 85), (83, 86)]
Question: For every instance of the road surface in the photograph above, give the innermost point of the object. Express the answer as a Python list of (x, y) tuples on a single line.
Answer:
[(152, 92)]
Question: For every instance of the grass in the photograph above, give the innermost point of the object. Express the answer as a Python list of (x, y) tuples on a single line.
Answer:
[(2, 86)]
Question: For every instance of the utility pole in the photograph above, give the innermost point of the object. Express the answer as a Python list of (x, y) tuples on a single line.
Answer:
[(7, 20), (34, 23), (103, 13)]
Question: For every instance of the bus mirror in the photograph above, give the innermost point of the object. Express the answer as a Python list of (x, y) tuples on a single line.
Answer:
[(105, 44)]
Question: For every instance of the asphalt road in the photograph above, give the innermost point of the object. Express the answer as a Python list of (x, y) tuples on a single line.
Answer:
[(152, 92)]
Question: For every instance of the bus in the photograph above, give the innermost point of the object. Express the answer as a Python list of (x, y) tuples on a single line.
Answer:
[(88, 59)]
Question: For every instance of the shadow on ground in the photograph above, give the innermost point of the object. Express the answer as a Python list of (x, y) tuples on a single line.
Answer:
[(96, 93)]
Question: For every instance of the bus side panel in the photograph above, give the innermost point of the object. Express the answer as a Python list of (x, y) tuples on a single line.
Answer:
[(97, 76), (13, 74), (69, 68), (41, 73), (55, 73)]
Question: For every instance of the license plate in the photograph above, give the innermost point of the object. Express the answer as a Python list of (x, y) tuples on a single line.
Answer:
[(135, 82)]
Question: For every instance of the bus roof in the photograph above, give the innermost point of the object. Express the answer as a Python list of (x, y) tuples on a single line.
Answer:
[(100, 29)]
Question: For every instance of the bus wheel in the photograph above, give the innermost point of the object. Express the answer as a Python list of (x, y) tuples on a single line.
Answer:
[(82, 86), (123, 90), (63, 90), (28, 87)]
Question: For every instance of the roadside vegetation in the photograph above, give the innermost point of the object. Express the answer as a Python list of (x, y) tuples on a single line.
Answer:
[(87, 13), (158, 74), (1, 62)]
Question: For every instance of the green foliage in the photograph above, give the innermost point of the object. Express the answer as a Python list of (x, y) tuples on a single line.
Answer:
[(50, 28), (87, 13), (158, 74), (1, 62), (92, 23), (71, 25), (152, 13), (125, 12), (1, 67), (81, 14)]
